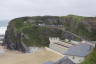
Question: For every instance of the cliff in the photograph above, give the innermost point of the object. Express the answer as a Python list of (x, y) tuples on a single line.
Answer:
[(35, 31)]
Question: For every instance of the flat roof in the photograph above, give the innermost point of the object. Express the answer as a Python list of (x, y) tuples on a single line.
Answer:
[(81, 50)]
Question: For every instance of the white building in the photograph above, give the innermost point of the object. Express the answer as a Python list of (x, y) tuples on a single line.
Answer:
[(60, 46), (75, 51)]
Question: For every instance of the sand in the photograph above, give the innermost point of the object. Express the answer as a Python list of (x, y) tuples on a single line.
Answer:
[(13, 57)]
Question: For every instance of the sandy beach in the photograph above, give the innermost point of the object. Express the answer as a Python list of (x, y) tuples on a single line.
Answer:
[(15, 57)]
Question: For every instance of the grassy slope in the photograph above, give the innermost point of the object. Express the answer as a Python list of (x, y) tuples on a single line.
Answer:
[(91, 59), (76, 25), (35, 36)]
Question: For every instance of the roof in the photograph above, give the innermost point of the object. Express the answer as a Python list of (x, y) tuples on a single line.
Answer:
[(70, 36), (49, 62), (64, 60), (81, 50)]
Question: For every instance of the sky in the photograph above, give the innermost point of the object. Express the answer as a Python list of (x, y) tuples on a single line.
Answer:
[(10, 9)]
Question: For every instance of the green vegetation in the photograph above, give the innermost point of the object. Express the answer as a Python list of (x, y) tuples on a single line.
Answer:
[(35, 35), (20, 23), (39, 34), (91, 59)]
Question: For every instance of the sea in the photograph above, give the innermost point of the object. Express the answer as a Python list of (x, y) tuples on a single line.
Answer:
[(3, 26), (3, 23)]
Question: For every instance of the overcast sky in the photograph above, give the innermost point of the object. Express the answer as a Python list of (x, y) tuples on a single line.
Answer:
[(10, 9)]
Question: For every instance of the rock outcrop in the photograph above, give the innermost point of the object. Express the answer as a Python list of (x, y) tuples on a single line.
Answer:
[(35, 31)]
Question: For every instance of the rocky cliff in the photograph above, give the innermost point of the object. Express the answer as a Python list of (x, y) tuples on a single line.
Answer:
[(35, 31)]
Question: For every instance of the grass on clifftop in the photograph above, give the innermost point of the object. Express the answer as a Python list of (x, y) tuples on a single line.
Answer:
[(91, 59)]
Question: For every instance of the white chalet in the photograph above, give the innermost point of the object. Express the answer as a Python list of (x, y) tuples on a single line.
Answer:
[(75, 51), (60, 46)]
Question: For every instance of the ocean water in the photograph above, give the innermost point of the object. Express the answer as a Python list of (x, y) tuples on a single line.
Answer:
[(3, 27), (2, 30), (4, 23)]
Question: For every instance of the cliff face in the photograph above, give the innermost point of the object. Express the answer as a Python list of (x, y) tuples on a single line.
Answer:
[(35, 31), (12, 38)]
